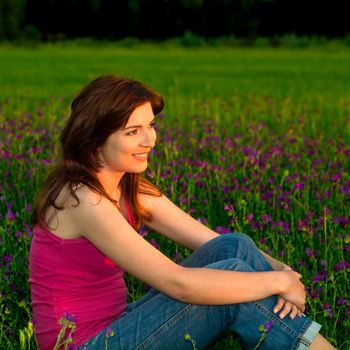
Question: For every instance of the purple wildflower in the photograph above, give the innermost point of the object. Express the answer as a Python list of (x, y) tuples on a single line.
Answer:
[(222, 229), (233, 221), (310, 253), (268, 325), (266, 218), (270, 180), (109, 332), (11, 215), (341, 220), (281, 253), (70, 317), (284, 226), (203, 221), (313, 294), (249, 217), (336, 177), (320, 276), (341, 301), (7, 258), (28, 231), (341, 265), (177, 257), (326, 211), (298, 186), (143, 231), (154, 243), (228, 208), (328, 310)]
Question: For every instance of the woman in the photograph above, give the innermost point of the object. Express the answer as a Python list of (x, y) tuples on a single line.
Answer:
[(86, 220)]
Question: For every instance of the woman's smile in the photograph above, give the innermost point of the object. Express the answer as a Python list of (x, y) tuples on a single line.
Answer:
[(141, 156)]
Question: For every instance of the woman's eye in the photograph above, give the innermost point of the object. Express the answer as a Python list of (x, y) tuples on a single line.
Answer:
[(133, 132)]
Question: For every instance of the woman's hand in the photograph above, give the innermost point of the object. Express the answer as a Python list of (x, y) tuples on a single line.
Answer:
[(286, 308), (292, 300)]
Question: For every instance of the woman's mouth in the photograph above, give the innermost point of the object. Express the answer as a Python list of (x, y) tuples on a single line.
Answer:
[(141, 156)]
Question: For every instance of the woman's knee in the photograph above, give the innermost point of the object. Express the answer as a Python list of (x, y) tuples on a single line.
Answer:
[(243, 237), (232, 264), (236, 239)]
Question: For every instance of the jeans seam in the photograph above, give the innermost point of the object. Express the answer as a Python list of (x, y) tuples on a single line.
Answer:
[(165, 325), (305, 341), (275, 319)]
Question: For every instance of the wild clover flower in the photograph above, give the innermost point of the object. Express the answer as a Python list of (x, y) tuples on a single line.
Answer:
[(68, 327), (193, 343), (264, 329), (328, 310), (109, 333)]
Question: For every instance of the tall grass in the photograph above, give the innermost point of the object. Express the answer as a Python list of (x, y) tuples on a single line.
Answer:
[(251, 141)]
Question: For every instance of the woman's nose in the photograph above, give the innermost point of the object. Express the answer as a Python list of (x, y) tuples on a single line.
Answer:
[(149, 138)]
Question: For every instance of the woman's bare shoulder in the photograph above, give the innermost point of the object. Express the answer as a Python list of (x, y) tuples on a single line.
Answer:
[(66, 222)]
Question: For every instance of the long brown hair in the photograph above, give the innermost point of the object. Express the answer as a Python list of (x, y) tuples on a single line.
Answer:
[(102, 107)]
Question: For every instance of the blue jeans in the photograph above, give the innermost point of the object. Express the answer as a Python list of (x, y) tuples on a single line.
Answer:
[(157, 321)]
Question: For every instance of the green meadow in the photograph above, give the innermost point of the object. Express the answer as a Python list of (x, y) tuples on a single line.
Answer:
[(255, 140), (312, 82)]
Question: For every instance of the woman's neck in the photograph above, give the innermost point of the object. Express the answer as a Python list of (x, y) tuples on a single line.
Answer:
[(111, 184)]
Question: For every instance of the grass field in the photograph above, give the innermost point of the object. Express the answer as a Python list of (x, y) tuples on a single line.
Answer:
[(307, 82), (251, 140)]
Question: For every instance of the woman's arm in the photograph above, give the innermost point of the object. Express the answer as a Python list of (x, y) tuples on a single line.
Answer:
[(175, 224), (100, 222)]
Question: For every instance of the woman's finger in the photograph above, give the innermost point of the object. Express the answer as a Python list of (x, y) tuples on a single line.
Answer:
[(279, 304), (286, 309), (294, 312)]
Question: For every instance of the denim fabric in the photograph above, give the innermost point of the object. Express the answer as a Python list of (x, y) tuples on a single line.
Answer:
[(159, 322)]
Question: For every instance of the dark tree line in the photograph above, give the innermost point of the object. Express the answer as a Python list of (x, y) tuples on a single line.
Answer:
[(161, 19)]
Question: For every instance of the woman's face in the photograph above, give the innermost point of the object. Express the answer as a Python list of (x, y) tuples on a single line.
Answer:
[(126, 150)]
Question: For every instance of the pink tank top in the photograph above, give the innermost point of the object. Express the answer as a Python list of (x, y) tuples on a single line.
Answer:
[(71, 276)]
